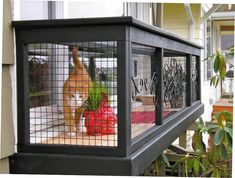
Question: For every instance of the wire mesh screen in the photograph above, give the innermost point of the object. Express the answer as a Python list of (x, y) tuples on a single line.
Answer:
[(142, 89), (174, 82), (195, 84), (73, 93)]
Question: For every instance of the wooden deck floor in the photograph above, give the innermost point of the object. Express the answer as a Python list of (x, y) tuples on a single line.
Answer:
[(47, 127)]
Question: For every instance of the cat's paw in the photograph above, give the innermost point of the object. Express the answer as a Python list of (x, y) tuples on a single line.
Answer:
[(71, 134), (97, 134)]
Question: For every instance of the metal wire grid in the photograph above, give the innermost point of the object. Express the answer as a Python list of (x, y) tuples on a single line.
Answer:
[(49, 68), (143, 94), (194, 79), (174, 83)]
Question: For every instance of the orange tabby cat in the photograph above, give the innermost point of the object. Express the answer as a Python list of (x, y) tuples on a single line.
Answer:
[(75, 94)]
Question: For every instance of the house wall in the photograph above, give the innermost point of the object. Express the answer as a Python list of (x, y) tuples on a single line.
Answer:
[(175, 20), (82, 9), (6, 117)]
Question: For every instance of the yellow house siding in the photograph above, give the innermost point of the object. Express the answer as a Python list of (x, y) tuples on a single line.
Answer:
[(176, 20), (7, 140), (7, 44), (4, 166), (7, 130)]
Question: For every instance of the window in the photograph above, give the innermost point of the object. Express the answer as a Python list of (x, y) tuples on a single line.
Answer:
[(209, 67), (227, 40), (208, 43)]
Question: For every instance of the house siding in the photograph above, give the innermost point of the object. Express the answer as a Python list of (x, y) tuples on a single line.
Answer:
[(6, 120)]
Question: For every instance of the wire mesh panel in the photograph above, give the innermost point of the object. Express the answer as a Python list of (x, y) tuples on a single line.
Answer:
[(73, 93), (142, 89), (195, 85), (174, 82)]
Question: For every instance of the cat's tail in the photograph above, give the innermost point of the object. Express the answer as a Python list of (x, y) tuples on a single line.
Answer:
[(76, 59)]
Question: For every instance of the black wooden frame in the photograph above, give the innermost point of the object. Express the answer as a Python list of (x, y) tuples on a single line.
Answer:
[(124, 30)]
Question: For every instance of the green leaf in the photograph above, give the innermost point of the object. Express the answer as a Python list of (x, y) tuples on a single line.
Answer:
[(212, 127), (229, 131), (179, 161), (202, 166), (210, 157), (211, 82), (166, 159), (190, 164), (196, 166), (216, 63), (217, 82), (215, 173), (223, 152), (222, 68), (213, 79), (200, 123), (95, 96), (228, 116), (228, 141), (156, 167), (219, 136)]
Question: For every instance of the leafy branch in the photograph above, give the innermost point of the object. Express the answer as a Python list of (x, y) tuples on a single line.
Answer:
[(220, 61), (212, 161)]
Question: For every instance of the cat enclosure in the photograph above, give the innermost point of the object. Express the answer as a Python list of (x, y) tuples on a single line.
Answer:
[(101, 95)]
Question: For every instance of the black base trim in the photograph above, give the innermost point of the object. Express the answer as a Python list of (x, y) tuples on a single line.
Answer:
[(41, 163)]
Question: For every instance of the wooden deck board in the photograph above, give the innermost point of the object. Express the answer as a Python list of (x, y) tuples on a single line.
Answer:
[(84, 139), (49, 128)]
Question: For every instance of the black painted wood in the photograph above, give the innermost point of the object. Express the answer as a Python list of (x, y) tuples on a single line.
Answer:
[(188, 80), (159, 87), (124, 95), (198, 68), (131, 156), (130, 21), (134, 164), (23, 93), (40, 163), (156, 40)]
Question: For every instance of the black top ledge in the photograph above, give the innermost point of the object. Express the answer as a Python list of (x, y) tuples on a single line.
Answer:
[(127, 20)]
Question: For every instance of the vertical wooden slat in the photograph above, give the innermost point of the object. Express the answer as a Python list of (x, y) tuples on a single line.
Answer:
[(124, 95), (198, 68), (188, 80), (159, 86)]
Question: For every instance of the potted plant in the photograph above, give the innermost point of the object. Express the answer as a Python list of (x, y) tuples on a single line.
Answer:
[(216, 160), (99, 116)]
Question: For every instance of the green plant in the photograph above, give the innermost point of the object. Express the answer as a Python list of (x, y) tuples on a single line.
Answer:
[(220, 61), (215, 161), (95, 96), (154, 168)]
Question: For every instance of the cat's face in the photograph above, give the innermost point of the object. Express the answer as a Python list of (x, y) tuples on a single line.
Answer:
[(75, 100)]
